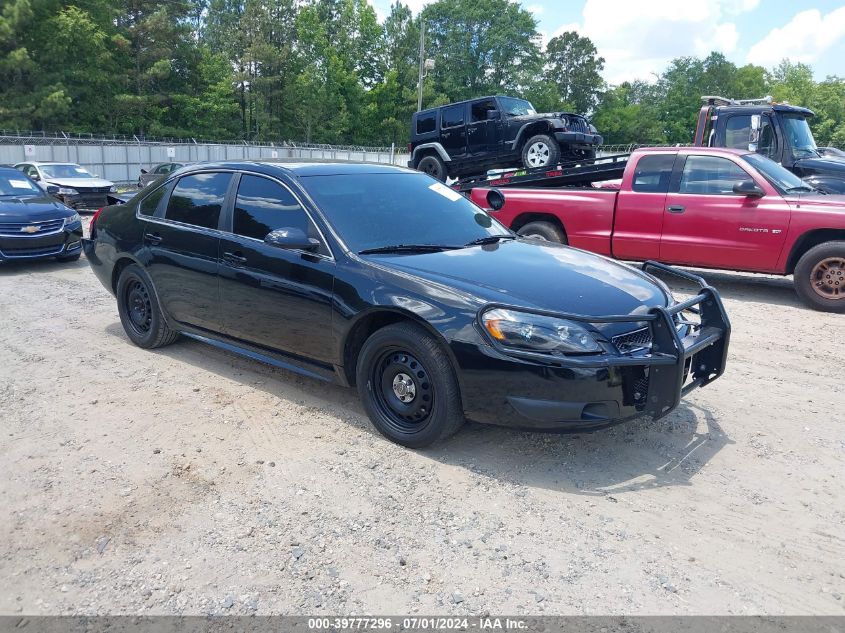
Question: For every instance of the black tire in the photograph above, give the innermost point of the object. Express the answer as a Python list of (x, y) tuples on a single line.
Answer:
[(433, 166), (540, 151), (540, 230), (819, 277), (69, 258), (405, 361), (140, 313)]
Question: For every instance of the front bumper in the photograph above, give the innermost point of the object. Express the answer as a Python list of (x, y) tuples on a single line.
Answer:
[(62, 243), (86, 200), (593, 391), (578, 138)]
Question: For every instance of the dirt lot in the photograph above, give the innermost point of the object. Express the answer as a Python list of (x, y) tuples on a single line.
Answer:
[(192, 481)]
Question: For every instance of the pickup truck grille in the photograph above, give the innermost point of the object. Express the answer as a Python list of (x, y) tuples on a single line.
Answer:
[(633, 341)]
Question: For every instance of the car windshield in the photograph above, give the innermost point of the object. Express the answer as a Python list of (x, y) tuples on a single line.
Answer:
[(65, 171), (371, 211), (780, 178), (800, 137), (516, 107), (14, 183)]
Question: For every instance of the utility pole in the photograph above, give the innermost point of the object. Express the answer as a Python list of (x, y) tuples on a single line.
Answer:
[(422, 65)]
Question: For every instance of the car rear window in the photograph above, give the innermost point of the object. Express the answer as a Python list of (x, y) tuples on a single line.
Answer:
[(653, 173), (426, 123), (197, 199)]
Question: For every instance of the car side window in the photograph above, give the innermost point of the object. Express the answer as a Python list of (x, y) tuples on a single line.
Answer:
[(263, 206), (31, 171), (711, 175), (197, 199), (653, 173), (150, 203), (768, 143), (738, 131), (452, 116), (479, 110), (162, 169), (426, 123)]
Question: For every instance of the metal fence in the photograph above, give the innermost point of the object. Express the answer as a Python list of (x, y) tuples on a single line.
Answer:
[(120, 159)]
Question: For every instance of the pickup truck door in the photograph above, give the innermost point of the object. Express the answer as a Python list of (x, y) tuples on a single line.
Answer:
[(706, 224), (638, 221), (453, 130)]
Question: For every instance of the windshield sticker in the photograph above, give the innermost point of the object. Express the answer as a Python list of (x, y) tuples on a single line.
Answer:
[(444, 191), (20, 184)]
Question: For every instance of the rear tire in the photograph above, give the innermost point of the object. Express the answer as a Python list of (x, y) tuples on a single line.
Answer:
[(433, 166), (819, 277), (140, 313), (545, 231), (540, 151), (408, 386)]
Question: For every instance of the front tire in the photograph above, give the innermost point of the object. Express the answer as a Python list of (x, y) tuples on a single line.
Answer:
[(819, 277), (408, 386), (545, 231), (540, 151), (140, 313), (433, 166)]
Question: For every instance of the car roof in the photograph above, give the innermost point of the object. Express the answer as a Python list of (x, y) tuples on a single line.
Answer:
[(777, 107), (39, 163), (296, 168), (454, 103)]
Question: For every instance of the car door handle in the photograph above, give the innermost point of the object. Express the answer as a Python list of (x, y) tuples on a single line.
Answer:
[(676, 208), (153, 238), (235, 259)]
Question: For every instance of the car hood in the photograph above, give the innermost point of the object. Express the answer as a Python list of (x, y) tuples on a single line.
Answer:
[(830, 203), (529, 274), (32, 209), (79, 182), (545, 115), (822, 165)]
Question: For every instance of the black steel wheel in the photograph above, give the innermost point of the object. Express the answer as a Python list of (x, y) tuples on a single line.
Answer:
[(140, 313), (408, 386)]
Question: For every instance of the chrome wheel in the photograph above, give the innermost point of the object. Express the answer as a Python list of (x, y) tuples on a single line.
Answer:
[(538, 154)]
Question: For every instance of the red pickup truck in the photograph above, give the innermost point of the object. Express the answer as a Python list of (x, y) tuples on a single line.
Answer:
[(695, 206)]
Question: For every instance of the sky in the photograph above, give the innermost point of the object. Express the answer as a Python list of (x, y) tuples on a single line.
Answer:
[(637, 38)]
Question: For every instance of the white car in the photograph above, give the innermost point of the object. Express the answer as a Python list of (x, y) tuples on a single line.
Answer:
[(78, 188)]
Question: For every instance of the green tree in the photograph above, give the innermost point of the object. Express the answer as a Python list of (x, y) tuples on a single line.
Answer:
[(573, 65)]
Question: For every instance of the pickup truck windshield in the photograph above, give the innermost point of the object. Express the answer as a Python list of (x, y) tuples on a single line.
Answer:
[(801, 140), (516, 107), (780, 178), (371, 211)]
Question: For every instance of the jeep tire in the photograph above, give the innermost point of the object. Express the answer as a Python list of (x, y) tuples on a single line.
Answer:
[(433, 166), (540, 151)]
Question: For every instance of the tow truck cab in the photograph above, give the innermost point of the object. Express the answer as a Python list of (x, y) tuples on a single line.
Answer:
[(777, 130)]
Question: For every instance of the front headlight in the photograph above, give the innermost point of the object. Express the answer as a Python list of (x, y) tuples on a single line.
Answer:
[(113, 189), (536, 333), (67, 191), (75, 218)]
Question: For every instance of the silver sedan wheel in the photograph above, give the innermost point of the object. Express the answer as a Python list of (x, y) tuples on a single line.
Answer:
[(538, 154)]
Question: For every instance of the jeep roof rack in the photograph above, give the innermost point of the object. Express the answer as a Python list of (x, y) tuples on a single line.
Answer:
[(571, 174)]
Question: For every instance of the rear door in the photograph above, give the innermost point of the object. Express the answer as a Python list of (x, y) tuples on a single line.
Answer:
[(638, 221), (453, 130), (707, 224), (272, 297), (182, 241), (482, 136)]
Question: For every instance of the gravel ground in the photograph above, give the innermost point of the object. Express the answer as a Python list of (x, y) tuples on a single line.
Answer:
[(191, 481)]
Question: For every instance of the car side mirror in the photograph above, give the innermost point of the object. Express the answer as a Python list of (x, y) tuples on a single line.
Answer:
[(748, 188), (53, 190), (35, 177), (495, 199), (144, 171), (291, 239), (493, 115)]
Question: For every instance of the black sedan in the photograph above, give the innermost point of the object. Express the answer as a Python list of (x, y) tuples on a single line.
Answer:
[(33, 224), (385, 279)]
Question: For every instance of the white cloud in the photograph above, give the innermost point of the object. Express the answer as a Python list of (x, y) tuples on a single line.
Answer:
[(804, 38), (638, 43), (536, 9)]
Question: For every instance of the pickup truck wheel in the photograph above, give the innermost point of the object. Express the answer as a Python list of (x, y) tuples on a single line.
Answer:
[(408, 387), (540, 151), (434, 167), (820, 277), (545, 231)]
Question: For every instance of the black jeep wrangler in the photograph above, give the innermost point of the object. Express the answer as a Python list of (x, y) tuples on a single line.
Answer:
[(471, 137)]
